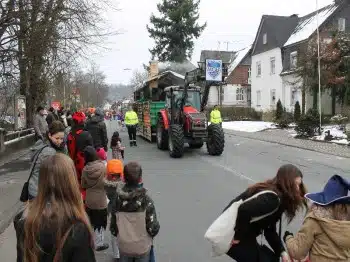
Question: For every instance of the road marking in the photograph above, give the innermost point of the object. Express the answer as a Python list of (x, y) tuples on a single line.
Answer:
[(226, 168)]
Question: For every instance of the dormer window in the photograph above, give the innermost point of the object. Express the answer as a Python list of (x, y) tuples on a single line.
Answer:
[(293, 60), (341, 24), (265, 39)]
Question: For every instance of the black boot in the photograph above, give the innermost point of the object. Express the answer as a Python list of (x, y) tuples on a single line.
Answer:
[(131, 143), (135, 143)]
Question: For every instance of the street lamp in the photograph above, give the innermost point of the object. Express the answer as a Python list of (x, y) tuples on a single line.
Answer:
[(319, 67)]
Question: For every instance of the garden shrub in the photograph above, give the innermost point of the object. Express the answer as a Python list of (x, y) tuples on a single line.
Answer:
[(233, 113), (308, 124), (279, 110), (282, 118), (297, 111), (285, 120)]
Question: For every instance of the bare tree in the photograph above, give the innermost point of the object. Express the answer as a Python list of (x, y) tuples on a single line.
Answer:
[(51, 35), (138, 79)]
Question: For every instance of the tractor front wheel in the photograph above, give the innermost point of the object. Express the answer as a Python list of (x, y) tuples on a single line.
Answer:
[(162, 135), (176, 141), (216, 140)]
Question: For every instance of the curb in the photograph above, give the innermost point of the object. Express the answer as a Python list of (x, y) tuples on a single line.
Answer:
[(285, 144), (8, 216)]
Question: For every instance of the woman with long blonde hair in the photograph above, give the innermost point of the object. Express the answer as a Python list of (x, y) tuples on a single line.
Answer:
[(54, 226)]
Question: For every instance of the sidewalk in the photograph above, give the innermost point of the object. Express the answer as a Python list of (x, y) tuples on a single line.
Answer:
[(283, 137), (12, 177)]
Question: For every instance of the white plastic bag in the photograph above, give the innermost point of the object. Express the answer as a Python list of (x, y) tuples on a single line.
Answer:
[(220, 234)]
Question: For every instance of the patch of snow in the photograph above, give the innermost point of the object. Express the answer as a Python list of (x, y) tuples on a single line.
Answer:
[(248, 126), (335, 132), (238, 59), (177, 74), (340, 142), (307, 26)]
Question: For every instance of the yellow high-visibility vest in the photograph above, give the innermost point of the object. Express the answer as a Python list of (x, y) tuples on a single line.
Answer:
[(131, 118), (215, 117)]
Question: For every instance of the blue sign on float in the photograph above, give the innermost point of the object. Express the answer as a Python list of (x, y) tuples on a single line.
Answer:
[(213, 70)]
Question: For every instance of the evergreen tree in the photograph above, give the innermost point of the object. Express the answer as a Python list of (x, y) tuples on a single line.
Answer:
[(279, 110), (173, 31), (297, 111)]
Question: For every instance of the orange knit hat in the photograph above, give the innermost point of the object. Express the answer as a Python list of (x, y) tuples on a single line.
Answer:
[(115, 166)]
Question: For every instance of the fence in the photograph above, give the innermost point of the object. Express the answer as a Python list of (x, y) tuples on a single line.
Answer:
[(13, 141)]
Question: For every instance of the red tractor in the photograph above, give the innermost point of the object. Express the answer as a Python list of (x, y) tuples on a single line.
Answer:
[(183, 120)]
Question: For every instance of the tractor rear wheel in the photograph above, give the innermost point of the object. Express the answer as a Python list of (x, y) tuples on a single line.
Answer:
[(196, 145), (216, 140), (176, 141), (162, 135)]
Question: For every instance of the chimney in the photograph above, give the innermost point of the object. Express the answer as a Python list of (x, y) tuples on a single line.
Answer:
[(153, 69)]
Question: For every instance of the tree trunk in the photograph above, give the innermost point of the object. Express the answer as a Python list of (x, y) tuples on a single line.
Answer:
[(23, 63)]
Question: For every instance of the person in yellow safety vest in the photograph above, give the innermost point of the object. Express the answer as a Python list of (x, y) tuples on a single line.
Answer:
[(215, 116), (131, 121)]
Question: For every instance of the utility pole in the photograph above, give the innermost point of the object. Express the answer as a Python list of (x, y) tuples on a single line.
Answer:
[(319, 69)]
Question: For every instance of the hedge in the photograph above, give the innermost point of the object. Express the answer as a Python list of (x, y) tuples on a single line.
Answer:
[(232, 113)]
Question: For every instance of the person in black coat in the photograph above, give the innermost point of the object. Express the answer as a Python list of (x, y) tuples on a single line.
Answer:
[(96, 126), (54, 226), (52, 116), (287, 197)]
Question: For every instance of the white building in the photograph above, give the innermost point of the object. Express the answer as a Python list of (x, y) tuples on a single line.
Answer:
[(266, 86), (275, 54)]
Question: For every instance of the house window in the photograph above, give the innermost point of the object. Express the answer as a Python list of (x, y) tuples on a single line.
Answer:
[(239, 94), (273, 96), (265, 39), (258, 68), (341, 24), (272, 65), (258, 98), (293, 59)]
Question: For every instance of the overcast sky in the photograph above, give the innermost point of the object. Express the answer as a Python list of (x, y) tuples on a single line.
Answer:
[(233, 21)]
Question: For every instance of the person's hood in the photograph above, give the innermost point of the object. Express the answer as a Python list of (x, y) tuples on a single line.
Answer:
[(94, 171), (96, 119), (126, 193), (338, 231), (99, 113)]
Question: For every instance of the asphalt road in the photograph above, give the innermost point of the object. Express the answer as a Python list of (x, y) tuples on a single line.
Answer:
[(189, 193)]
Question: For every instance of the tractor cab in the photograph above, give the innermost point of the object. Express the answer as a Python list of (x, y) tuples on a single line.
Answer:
[(193, 98)]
